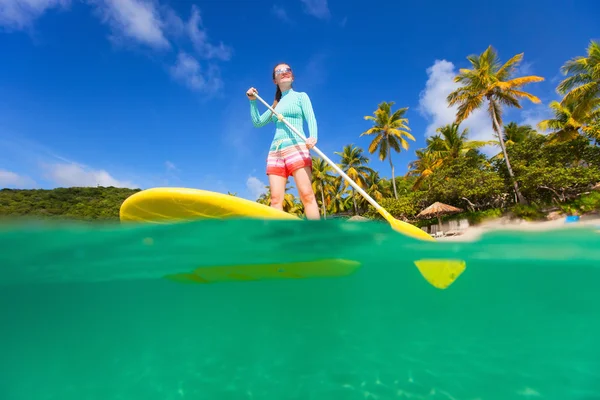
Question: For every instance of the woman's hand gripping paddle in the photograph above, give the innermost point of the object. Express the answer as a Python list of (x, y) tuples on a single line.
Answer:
[(439, 273)]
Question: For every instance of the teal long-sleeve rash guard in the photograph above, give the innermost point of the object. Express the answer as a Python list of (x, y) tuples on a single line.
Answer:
[(296, 108)]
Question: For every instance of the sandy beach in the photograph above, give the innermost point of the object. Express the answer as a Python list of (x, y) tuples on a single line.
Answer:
[(473, 233)]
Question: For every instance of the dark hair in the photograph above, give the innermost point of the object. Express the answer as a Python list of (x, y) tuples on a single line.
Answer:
[(278, 90)]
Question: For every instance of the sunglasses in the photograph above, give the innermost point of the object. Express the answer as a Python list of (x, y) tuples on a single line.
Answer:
[(282, 71)]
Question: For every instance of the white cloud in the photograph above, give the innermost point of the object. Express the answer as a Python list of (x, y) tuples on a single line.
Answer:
[(134, 19), (188, 71), (47, 168), (534, 115), (524, 69), (314, 73), (170, 166), (237, 131), (255, 186), (143, 22), (173, 25), (9, 179), (433, 104), (20, 14), (280, 13), (72, 174), (317, 8), (199, 38)]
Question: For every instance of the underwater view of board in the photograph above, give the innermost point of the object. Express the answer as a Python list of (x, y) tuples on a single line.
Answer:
[(252, 309), (185, 205)]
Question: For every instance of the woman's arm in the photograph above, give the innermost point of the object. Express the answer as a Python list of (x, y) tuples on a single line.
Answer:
[(257, 119), (309, 116)]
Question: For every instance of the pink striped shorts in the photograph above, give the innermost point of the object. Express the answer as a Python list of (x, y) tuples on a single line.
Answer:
[(284, 162)]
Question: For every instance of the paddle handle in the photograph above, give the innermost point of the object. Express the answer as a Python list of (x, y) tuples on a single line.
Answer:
[(380, 209)]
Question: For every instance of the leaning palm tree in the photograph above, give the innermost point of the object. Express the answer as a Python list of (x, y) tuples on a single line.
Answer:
[(353, 163), (391, 131), (489, 81)]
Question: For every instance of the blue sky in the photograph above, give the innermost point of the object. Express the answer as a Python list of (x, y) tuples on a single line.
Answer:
[(146, 93)]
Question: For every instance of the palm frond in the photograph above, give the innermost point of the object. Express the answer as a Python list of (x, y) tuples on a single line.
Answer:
[(467, 107), (522, 81), (509, 67), (375, 143)]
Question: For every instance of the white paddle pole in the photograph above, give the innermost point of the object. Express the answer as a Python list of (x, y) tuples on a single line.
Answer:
[(324, 157)]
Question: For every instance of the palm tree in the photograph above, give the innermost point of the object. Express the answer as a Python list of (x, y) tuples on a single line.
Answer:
[(489, 81), (423, 166), (592, 127), (564, 125), (265, 198), (353, 164), (322, 181), (583, 84), (376, 187), (338, 201), (290, 203), (390, 130), (450, 144), (514, 133)]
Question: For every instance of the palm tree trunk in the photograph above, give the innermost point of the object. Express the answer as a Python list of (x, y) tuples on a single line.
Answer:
[(392, 166), (354, 201), (520, 197), (323, 201)]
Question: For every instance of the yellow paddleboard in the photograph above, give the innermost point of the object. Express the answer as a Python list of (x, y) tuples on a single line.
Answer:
[(181, 204), (165, 205)]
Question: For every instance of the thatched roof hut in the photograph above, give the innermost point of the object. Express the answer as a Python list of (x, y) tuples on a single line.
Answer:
[(438, 209)]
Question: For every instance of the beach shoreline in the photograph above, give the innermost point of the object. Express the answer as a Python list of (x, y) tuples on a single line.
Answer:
[(474, 232)]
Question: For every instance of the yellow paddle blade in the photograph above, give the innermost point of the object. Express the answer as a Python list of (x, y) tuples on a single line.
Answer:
[(405, 228), (441, 273), (253, 272)]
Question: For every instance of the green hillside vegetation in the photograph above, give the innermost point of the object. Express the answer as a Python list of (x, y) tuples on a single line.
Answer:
[(552, 166), (81, 203)]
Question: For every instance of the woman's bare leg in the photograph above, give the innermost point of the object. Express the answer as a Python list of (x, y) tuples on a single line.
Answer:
[(302, 177), (277, 184)]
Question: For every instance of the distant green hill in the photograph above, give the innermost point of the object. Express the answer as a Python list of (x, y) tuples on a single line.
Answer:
[(82, 203)]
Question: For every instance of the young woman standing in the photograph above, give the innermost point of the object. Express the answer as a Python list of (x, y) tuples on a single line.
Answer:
[(289, 155)]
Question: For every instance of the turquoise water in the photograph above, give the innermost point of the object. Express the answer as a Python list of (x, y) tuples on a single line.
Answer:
[(86, 314)]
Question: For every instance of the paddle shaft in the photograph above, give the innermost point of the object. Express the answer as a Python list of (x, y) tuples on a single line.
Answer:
[(380, 209)]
